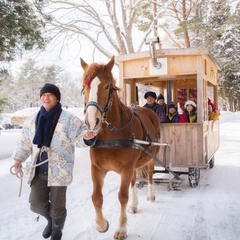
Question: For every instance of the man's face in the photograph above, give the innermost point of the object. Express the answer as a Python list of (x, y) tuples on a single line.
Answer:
[(150, 100), (49, 101)]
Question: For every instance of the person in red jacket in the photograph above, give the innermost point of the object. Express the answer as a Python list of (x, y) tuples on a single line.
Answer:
[(189, 113), (211, 106), (213, 113)]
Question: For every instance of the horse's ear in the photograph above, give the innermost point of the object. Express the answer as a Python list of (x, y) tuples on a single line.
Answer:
[(110, 64), (83, 64)]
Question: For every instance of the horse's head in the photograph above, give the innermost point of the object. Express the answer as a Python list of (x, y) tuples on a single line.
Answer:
[(98, 85)]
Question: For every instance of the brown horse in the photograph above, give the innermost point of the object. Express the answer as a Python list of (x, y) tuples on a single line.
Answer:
[(116, 126)]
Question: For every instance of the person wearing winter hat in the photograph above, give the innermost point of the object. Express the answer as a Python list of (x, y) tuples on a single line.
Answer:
[(189, 113), (152, 104), (151, 94), (172, 116), (213, 113), (160, 98), (151, 100), (50, 137), (51, 88), (163, 110)]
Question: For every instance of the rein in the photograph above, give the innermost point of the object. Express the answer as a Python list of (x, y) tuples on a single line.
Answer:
[(112, 128)]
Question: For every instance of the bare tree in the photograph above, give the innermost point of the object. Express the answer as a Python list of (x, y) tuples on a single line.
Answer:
[(107, 25)]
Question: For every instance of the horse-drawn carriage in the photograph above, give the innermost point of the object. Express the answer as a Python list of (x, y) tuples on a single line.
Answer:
[(127, 138), (180, 74)]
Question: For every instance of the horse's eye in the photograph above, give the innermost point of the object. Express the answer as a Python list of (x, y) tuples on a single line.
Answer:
[(107, 87)]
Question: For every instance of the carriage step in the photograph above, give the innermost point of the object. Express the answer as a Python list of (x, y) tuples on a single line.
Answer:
[(174, 184)]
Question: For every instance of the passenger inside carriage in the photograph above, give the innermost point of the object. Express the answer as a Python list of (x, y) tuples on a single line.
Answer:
[(152, 104), (162, 111), (189, 113), (173, 115), (213, 113)]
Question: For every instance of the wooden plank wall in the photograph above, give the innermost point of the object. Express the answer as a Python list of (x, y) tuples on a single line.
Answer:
[(186, 141), (213, 138), (192, 144), (182, 65), (136, 68), (139, 68)]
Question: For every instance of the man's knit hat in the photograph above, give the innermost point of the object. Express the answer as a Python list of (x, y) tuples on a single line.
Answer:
[(150, 93), (51, 88)]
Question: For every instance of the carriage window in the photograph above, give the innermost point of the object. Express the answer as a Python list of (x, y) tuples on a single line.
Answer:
[(210, 93), (182, 97), (193, 94)]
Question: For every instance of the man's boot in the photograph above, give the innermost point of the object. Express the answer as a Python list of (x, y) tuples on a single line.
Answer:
[(47, 232), (57, 227)]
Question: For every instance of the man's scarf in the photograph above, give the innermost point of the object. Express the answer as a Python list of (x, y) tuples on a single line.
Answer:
[(44, 125)]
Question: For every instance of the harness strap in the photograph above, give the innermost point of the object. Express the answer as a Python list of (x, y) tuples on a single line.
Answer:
[(138, 146), (143, 127), (119, 143)]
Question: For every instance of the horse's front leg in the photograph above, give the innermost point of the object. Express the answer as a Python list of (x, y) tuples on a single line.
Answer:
[(97, 198), (150, 194), (121, 231), (133, 198)]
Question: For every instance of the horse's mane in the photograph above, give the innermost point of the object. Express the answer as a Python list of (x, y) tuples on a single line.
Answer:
[(93, 70)]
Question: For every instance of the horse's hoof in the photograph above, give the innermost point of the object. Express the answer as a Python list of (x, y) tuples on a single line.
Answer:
[(151, 199), (132, 210), (103, 231), (120, 235)]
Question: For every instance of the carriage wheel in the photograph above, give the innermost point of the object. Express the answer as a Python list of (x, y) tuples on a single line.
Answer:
[(211, 163), (193, 177)]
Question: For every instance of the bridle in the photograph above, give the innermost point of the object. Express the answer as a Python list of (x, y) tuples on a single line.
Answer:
[(106, 108), (104, 112)]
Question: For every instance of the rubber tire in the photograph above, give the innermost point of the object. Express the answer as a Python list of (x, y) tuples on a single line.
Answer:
[(193, 177), (211, 162)]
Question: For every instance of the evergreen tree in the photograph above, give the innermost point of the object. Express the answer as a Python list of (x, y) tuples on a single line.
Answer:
[(23, 91), (224, 42), (21, 26)]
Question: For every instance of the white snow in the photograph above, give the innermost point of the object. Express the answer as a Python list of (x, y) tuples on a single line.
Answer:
[(26, 112), (211, 211)]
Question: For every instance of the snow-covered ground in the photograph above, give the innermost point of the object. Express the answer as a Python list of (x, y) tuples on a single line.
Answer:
[(210, 212)]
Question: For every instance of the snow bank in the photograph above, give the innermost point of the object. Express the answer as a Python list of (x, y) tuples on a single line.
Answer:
[(20, 116), (228, 116)]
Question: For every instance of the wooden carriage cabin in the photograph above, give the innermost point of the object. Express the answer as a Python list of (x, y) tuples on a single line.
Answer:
[(182, 74)]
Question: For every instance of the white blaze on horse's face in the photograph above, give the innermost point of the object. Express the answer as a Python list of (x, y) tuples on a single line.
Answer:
[(92, 111)]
